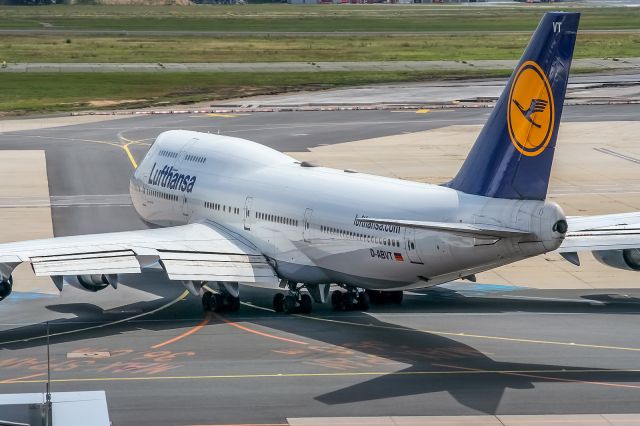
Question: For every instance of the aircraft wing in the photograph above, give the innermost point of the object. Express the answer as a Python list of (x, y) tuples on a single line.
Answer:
[(466, 229), (605, 232), (194, 252)]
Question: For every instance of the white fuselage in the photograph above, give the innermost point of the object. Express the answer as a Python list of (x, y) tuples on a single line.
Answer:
[(304, 219)]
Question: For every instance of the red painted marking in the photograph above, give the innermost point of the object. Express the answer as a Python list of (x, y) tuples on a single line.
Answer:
[(259, 333), (23, 378), (195, 329)]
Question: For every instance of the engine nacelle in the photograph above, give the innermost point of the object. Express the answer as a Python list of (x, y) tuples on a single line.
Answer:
[(628, 259), (92, 283), (6, 285)]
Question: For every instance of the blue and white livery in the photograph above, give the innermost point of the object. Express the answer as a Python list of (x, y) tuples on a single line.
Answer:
[(231, 211)]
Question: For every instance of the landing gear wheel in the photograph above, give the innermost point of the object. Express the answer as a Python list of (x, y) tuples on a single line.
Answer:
[(375, 296), (206, 301), (278, 302), (349, 301), (5, 288), (306, 304), (233, 304), (396, 297), (337, 300), (363, 301), (212, 302), (290, 304)]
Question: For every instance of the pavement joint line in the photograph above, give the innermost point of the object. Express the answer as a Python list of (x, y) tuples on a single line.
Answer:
[(482, 420), (102, 325), (617, 154), (457, 372), (189, 332), (242, 424)]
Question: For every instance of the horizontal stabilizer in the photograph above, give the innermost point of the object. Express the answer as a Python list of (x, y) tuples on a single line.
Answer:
[(605, 232), (465, 229), (607, 222)]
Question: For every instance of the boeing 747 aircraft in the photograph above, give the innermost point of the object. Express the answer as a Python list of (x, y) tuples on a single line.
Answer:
[(230, 211)]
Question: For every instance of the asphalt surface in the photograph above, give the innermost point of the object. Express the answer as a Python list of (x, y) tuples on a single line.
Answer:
[(461, 349), (627, 64), (319, 33)]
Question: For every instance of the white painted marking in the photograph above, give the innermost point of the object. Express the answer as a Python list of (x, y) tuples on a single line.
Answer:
[(555, 299)]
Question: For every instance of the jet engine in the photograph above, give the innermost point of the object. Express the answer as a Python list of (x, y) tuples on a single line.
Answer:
[(93, 282), (6, 285), (628, 259)]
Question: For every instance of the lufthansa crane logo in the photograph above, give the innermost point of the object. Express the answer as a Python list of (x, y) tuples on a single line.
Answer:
[(531, 110)]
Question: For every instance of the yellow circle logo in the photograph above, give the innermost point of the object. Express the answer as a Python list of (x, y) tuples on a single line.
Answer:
[(531, 111)]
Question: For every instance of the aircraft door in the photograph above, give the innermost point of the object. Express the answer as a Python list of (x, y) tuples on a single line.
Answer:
[(183, 206), (144, 190), (247, 213), (187, 209), (306, 225), (410, 245)]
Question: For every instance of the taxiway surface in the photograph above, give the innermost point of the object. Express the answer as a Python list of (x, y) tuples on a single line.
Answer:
[(460, 349)]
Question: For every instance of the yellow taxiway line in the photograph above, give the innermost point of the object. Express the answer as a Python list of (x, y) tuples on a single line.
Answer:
[(458, 372), (473, 336), (103, 325), (129, 154)]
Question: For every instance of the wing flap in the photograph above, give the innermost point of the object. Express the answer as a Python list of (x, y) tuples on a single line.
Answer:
[(189, 252), (116, 262), (217, 267), (607, 222)]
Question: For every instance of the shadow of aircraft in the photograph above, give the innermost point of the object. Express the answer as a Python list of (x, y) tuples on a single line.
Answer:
[(437, 363), (81, 311), (429, 362)]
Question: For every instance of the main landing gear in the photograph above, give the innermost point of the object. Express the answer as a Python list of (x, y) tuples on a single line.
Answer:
[(347, 298), (350, 300), (226, 299), (5, 287), (294, 301), (379, 297)]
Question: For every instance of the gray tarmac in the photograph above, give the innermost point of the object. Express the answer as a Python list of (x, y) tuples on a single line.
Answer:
[(626, 64), (582, 89), (455, 350)]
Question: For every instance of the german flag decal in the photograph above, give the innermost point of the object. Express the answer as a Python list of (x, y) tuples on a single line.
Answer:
[(398, 257)]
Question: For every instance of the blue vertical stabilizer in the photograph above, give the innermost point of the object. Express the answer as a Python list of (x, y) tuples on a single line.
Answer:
[(512, 157)]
